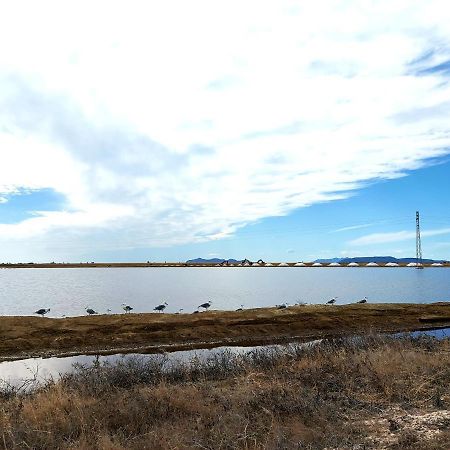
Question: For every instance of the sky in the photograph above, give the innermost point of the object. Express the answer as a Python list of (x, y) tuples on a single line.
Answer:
[(282, 130)]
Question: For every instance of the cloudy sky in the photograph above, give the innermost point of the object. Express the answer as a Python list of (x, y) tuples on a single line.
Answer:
[(285, 130)]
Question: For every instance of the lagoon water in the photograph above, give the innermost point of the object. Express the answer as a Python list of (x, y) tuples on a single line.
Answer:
[(67, 292), (16, 373)]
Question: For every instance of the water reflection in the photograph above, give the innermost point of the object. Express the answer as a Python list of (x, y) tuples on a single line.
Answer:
[(16, 373)]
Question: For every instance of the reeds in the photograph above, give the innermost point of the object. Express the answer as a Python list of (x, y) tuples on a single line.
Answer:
[(334, 394)]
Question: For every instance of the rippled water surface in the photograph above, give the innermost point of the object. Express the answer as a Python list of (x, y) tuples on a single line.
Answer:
[(69, 291)]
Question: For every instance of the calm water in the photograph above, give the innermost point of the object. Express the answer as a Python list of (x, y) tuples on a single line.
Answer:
[(69, 291), (14, 373)]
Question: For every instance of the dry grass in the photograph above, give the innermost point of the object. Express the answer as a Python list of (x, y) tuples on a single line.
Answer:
[(27, 337), (342, 394)]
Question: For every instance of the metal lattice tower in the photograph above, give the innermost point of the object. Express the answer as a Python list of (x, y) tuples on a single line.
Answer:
[(418, 242)]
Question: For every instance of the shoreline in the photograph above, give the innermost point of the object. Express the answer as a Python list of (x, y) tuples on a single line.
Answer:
[(273, 265), (23, 337), (187, 346), (374, 392)]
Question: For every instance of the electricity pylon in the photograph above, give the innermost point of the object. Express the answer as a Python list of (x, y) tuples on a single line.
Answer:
[(419, 264)]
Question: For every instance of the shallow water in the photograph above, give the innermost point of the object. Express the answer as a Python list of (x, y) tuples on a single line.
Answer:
[(69, 291), (15, 373)]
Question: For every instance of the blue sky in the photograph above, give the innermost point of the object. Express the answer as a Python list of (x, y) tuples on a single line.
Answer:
[(326, 230), (322, 230), (304, 131)]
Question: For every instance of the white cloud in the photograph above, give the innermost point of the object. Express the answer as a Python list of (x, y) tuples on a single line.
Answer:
[(352, 227), (382, 238), (175, 122)]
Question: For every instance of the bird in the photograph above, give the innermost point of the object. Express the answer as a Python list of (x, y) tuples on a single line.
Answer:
[(179, 311), (160, 307), (126, 308), (90, 311), (282, 306), (205, 305), (241, 308), (42, 311), (364, 300), (332, 301), (108, 310)]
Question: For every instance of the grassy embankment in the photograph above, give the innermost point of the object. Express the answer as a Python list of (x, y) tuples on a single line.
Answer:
[(367, 393), (36, 336)]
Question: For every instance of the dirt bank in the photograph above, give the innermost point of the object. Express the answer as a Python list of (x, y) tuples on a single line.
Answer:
[(22, 337)]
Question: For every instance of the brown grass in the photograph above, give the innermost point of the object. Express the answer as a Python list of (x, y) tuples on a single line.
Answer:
[(342, 394), (120, 333)]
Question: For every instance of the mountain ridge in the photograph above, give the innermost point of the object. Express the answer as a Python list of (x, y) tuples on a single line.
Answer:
[(344, 260), (377, 259)]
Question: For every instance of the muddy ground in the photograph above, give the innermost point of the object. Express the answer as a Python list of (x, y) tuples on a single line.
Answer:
[(23, 337)]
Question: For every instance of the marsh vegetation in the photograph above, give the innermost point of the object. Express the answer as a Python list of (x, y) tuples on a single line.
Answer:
[(353, 393)]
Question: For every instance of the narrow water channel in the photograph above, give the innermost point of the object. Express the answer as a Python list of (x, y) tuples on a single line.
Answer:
[(21, 372)]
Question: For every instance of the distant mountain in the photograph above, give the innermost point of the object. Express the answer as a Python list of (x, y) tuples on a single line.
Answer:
[(376, 259), (210, 261), (358, 259), (328, 261)]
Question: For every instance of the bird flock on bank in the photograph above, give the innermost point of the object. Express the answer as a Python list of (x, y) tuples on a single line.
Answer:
[(203, 307)]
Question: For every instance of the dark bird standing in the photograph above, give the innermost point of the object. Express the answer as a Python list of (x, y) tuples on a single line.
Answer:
[(90, 311), (161, 307), (126, 308), (206, 305), (42, 311), (364, 300), (332, 301)]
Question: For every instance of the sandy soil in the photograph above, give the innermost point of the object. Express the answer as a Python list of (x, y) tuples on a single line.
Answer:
[(22, 337)]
